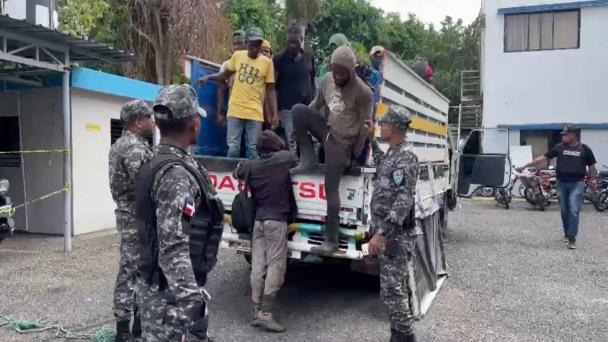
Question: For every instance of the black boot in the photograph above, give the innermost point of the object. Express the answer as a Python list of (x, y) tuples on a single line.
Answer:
[(308, 160), (123, 331), (136, 328), (330, 239), (398, 336)]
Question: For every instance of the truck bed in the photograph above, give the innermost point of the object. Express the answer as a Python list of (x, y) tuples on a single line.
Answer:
[(309, 190)]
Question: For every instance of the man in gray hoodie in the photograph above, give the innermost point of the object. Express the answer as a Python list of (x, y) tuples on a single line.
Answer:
[(347, 101)]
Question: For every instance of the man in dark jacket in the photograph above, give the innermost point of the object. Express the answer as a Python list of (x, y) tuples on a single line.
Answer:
[(270, 186), (294, 70)]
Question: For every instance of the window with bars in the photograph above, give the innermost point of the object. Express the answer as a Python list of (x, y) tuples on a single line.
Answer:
[(542, 31)]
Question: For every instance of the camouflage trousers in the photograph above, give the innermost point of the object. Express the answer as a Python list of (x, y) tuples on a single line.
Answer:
[(394, 289), (161, 319), (124, 292)]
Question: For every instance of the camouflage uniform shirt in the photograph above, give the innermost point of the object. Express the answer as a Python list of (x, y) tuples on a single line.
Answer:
[(394, 188), (127, 155)]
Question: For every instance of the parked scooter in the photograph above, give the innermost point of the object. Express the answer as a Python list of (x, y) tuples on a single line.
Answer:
[(7, 225)]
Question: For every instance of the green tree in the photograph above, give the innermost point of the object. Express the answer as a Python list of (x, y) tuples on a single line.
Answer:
[(264, 14), (80, 17)]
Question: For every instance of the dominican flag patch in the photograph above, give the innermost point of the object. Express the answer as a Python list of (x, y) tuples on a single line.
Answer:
[(189, 207)]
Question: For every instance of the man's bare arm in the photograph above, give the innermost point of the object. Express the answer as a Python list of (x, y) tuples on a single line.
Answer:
[(272, 102), (221, 76), (535, 162), (592, 171)]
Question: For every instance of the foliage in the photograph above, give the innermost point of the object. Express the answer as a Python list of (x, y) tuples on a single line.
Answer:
[(80, 17), (160, 31), (264, 14)]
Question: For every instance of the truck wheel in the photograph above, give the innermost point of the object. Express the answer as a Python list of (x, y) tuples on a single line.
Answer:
[(247, 258)]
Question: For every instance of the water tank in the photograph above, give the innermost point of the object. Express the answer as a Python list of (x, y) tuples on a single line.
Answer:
[(34, 11)]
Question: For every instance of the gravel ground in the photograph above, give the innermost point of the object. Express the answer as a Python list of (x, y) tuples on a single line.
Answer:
[(511, 279)]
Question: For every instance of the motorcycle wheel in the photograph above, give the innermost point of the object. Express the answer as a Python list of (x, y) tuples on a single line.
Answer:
[(522, 190), (541, 200), (601, 202), (530, 196), (486, 191)]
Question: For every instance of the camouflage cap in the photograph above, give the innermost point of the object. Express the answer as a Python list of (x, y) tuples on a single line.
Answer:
[(239, 35), (254, 34), (397, 116), (135, 109), (181, 100)]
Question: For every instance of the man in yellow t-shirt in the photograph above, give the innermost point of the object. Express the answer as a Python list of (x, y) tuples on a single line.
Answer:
[(253, 85)]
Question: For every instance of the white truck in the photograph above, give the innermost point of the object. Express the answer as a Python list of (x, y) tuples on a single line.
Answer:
[(435, 191)]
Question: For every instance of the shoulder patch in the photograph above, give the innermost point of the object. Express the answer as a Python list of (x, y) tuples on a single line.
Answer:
[(398, 177), (189, 207)]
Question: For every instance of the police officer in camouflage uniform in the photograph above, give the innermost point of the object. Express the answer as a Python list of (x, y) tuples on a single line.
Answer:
[(393, 218), (127, 155), (179, 219)]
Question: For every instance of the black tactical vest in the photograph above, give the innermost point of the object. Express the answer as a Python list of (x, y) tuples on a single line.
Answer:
[(205, 227)]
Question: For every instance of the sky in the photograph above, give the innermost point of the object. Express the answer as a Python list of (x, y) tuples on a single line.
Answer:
[(432, 11)]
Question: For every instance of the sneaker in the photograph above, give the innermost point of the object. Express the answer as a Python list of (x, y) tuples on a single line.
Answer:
[(571, 245), (566, 239)]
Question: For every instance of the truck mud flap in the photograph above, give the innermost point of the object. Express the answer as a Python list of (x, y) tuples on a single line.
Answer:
[(428, 267)]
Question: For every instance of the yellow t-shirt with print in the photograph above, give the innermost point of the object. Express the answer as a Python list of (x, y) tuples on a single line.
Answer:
[(249, 87)]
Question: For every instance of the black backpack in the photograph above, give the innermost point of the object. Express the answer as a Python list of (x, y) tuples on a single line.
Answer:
[(243, 209)]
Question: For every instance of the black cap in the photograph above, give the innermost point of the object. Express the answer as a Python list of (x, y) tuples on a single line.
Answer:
[(570, 128)]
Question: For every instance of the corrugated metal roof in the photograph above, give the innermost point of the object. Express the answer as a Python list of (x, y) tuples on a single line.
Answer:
[(80, 49)]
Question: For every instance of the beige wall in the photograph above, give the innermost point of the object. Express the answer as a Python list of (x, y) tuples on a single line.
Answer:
[(93, 205)]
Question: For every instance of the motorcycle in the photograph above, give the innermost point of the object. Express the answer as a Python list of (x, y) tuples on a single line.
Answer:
[(601, 200), (486, 191), (539, 187), (7, 224), (504, 195)]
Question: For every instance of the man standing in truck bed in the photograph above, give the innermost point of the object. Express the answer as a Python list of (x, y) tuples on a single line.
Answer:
[(393, 219), (348, 100)]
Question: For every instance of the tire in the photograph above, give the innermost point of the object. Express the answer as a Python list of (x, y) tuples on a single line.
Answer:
[(530, 196), (247, 258), (540, 199), (522, 190), (601, 202), (486, 191)]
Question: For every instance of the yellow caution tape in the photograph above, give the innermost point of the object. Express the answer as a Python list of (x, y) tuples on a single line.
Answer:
[(36, 151), (67, 188)]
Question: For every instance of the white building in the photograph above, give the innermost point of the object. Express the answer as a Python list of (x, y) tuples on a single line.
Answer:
[(545, 64), (30, 118)]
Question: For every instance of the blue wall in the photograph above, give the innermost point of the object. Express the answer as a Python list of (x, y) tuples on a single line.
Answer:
[(212, 139)]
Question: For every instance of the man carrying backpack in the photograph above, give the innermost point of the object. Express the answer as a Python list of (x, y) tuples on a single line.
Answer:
[(269, 181)]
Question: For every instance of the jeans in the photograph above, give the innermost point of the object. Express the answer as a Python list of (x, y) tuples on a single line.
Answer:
[(236, 129), (287, 124), (571, 197), (268, 258)]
